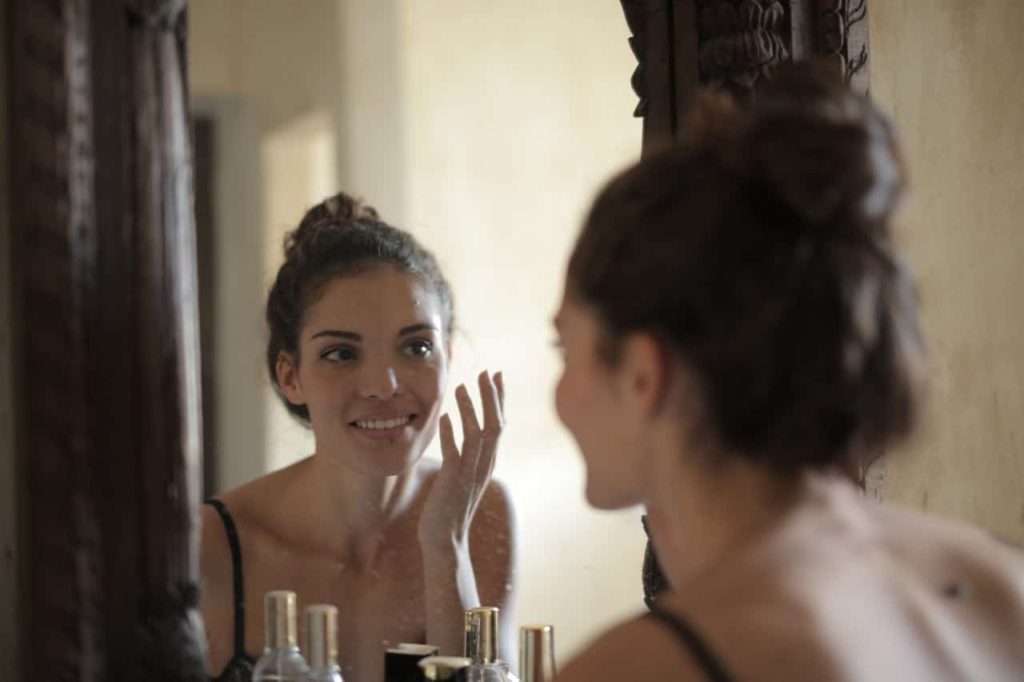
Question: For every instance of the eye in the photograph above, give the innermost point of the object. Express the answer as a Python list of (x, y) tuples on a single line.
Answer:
[(419, 348), (339, 354)]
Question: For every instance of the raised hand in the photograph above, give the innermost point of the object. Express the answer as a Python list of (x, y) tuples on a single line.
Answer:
[(466, 471)]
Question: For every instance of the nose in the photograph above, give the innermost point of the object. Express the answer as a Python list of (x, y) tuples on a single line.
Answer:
[(378, 380)]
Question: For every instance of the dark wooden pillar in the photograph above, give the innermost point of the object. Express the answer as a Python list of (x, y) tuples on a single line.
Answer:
[(682, 45), (107, 384)]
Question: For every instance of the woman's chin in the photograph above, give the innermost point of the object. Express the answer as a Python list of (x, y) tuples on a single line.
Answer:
[(608, 496)]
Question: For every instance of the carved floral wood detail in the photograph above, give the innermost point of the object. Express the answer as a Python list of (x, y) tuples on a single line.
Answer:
[(734, 44), (741, 42), (842, 35)]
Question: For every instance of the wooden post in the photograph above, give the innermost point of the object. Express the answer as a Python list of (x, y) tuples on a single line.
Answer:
[(102, 243)]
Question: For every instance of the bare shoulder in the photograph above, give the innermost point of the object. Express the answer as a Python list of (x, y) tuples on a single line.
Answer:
[(969, 558), (637, 650)]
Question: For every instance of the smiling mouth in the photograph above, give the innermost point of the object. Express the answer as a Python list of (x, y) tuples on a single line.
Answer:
[(383, 424)]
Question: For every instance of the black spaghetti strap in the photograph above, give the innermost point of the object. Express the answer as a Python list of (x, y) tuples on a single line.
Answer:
[(236, 565), (693, 643)]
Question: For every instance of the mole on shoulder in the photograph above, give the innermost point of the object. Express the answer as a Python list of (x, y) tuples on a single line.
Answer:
[(961, 589)]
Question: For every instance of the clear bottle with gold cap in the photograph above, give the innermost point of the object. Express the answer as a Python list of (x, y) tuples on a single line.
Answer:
[(281, 660), (536, 653), (321, 627), (481, 647)]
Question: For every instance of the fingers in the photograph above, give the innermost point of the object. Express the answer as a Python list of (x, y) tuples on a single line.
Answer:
[(491, 400), (471, 435), (499, 381), (449, 451), (479, 443), (493, 424)]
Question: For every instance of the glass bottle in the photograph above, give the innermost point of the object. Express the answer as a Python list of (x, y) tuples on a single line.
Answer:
[(321, 621), (481, 647), (281, 660), (537, 653)]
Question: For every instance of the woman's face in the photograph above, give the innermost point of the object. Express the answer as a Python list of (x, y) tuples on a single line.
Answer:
[(372, 369), (590, 399)]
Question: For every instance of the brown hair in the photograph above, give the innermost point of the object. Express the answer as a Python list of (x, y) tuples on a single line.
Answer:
[(760, 251), (339, 236)]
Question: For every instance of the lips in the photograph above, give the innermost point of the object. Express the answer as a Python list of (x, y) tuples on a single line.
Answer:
[(383, 424), (384, 427)]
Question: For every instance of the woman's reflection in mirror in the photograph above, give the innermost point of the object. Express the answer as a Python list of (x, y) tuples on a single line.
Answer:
[(739, 331), (360, 322)]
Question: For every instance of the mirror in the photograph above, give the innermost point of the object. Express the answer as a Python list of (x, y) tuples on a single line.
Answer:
[(484, 129)]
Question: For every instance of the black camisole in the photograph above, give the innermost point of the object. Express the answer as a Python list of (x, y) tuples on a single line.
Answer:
[(693, 643), (239, 668)]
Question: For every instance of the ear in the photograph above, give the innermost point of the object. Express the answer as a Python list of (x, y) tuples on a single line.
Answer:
[(645, 369), (287, 371)]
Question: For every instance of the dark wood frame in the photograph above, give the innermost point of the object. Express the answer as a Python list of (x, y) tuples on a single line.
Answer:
[(105, 314)]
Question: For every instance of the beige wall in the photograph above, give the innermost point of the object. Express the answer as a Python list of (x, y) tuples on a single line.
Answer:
[(949, 72), (251, 71), (513, 114)]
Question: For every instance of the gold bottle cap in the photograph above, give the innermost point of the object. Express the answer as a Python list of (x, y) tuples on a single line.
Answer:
[(321, 635), (536, 653), (481, 645), (443, 667), (279, 616)]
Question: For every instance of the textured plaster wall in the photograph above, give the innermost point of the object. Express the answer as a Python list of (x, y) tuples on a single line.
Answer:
[(949, 71)]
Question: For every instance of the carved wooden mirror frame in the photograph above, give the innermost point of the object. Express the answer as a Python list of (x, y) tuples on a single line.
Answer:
[(103, 297)]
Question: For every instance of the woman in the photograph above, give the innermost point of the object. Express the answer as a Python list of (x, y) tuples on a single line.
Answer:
[(360, 321), (739, 337)]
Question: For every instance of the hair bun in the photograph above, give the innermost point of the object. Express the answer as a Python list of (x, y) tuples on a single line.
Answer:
[(333, 212), (343, 207), (823, 150)]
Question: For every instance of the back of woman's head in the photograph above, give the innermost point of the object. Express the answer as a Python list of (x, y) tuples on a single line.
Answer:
[(760, 252), (338, 237)]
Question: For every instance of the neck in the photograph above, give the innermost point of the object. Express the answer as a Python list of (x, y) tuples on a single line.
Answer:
[(350, 511), (700, 512)]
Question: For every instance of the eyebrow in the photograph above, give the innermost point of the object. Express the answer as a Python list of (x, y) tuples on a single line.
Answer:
[(352, 336), (420, 327), (337, 334)]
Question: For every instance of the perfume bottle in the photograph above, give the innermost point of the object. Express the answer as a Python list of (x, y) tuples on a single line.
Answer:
[(321, 622), (537, 653), (281, 660), (481, 647)]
